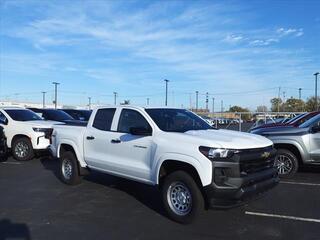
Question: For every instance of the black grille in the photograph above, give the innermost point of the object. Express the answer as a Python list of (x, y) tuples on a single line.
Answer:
[(256, 160)]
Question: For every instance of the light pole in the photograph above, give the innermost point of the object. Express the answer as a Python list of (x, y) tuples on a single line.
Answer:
[(148, 101), (89, 104), (43, 99), (166, 102), (207, 101), (55, 94), (316, 89), (115, 97), (300, 93), (197, 97)]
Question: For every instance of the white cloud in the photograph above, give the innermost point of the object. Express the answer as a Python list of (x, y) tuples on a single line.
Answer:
[(233, 38), (290, 32)]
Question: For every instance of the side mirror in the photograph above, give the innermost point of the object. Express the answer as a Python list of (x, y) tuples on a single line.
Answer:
[(140, 131), (315, 129), (3, 121)]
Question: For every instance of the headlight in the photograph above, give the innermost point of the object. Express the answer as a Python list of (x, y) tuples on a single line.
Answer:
[(41, 129), (216, 153)]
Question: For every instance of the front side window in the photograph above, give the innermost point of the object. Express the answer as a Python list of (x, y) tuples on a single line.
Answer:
[(103, 119), (131, 119), (177, 120), (22, 115)]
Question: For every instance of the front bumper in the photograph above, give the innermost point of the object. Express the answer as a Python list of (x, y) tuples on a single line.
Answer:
[(246, 176)]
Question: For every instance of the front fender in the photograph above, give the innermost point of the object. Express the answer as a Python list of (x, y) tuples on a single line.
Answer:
[(302, 151), (204, 168), (79, 155)]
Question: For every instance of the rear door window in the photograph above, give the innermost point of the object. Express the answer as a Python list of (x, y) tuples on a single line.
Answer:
[(103, 119)]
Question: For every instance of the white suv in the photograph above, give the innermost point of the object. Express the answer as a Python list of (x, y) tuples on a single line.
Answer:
[(25, 131)]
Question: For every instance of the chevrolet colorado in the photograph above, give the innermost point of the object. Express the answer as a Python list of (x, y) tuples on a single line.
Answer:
[(195, 165), (25, 131)]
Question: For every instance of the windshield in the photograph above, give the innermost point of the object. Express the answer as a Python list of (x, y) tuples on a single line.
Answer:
[(22, 115), (177, 120), (57, 115), (296, 118), (311, 121)]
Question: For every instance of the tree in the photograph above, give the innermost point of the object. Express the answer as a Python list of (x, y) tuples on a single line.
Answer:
[(242, 110), (276, 104), (294, 105), (262, 109), (311, 104)]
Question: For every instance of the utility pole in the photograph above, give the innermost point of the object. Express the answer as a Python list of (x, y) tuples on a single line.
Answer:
[(279, 99), (207, 101), (197, 98), (148, 101), (212, 106), (300, 93), (316, 89), (221, 107), (43, 99), (166, 102), (89, 104), (115, 94), (55, 94)]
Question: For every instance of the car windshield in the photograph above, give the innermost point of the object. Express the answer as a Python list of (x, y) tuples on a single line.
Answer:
[(57, 115), (296, 118), (22, 115), (177, 120), (311, 121)]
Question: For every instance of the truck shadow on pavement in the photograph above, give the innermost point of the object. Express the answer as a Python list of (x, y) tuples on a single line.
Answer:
[(149, 196), (10, 230)]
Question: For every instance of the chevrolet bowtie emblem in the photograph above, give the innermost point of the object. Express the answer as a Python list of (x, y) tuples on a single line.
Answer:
[(265, 155)]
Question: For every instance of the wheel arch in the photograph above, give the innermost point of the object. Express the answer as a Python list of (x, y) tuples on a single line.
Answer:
[(69, 146), (292, 148), (17, 136)]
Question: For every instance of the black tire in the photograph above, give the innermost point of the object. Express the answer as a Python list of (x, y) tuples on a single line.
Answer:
[(20, 154), (184, 180), (291, 160), (69, 169)]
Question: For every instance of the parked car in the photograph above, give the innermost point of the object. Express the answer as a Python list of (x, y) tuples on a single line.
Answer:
[(208, 120), (57, 115), (294, 122), (25, 131), (295, 145), (3, 145), (194, 164), (79, 114)]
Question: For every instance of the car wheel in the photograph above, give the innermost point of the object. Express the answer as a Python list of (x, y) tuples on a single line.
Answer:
[(182, 198), (69, 170), (286, 163), (22, 149)]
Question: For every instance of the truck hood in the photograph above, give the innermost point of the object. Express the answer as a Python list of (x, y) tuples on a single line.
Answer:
[(230, 139), (281, 131), (41, 123)]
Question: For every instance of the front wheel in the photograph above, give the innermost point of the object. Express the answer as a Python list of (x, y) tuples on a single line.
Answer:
[(69, 170), (182, 198), (286, 163), (22, 149)]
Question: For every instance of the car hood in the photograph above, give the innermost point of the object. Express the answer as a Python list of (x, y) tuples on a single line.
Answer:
[(278, 131), (229, 139)]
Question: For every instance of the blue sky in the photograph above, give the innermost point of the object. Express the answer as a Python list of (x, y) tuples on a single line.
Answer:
[(238, 51)]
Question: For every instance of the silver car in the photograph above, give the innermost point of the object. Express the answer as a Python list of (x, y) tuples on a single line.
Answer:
[(295, 145)]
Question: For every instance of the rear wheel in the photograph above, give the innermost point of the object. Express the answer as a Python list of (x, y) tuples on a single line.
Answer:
[(69, 170), (286, 163), (182, 198), (22, 149)]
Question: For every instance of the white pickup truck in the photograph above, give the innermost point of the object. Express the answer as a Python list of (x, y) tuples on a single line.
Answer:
[(25, 131), (195, 165)]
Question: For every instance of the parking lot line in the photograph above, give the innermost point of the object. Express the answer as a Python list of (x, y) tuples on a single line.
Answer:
[(14, 163), (301, 183), (283, 216)]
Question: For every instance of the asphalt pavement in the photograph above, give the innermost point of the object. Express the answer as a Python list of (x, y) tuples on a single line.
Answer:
[(35, 204)]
